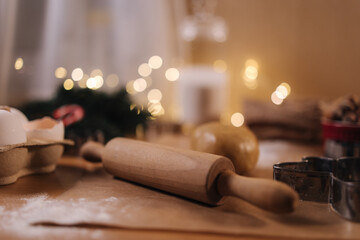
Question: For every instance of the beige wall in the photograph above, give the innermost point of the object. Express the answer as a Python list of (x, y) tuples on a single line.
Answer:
[(312, 45)]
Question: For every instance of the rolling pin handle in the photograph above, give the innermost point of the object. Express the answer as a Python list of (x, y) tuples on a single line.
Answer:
[(92, 151), (267, 194)]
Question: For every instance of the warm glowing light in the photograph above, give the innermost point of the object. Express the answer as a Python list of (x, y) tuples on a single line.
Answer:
[(251, 73), (188, 30), (156, 109), (287, 86), (155, 62), (68, 84), (82, 82), (154, 95), (130, 87), (172, 74), (139, 109), (237, 119), (91, 83), (219, 35), (112, 80), (251, 84), (77, 74), (99, 82), (281, 92), (275, 99), (132, 106), (140, 85), (251, 62), (96, 72), (220, 66), (19, 63), (144, 70), (60, 72)]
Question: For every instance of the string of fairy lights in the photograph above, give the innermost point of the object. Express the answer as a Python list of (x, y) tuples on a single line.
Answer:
[(95, 80)]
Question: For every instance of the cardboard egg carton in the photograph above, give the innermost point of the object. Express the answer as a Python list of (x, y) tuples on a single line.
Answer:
[(33, 156)]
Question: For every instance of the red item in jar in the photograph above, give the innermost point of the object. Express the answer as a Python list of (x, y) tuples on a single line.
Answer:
[(340, 131)]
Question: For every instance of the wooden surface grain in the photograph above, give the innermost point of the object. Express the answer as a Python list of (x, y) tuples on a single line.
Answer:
[(71, 171), (74, 173)]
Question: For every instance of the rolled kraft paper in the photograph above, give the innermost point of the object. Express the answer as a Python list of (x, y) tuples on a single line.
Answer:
[(183, 172)]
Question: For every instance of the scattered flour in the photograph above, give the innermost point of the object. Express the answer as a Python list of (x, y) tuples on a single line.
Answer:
[(111, 199), (42, 208)]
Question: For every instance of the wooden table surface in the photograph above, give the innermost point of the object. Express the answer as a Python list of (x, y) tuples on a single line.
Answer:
[(50, 184)]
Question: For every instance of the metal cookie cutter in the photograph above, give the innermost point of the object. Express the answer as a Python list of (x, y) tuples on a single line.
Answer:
[(327, 180), (345, 188), (310, 178)]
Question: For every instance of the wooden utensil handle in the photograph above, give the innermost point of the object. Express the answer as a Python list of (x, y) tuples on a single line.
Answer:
[(92, 151), (265, 193)]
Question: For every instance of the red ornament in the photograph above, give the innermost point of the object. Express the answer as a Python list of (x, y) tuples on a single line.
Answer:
[(69, 114)]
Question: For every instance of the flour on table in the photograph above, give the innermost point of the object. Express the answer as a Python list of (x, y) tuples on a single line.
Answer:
[(111, 199), (43, 209)]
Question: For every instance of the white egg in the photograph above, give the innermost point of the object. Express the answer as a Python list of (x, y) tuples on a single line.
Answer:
[(20, 115), (45, 128), (11, 129)]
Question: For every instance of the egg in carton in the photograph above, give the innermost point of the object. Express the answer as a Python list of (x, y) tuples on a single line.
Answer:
[(28, 147)]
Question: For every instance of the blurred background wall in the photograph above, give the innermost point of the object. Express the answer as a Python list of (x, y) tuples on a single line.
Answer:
[(311, 45)]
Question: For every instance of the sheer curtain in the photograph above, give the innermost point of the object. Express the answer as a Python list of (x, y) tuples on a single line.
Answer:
[(7, 23), (115, 36)]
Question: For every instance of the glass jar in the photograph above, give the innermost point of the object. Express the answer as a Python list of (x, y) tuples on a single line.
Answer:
[(341, 139)]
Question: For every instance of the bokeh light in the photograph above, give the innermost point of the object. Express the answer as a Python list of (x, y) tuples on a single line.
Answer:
[(156, 109), (99, 82), (281, 92), (172, 74), (91, 83), (130, 87), (275, 99), (154, 95), (219, 35), (68, 84), (140, 85), (287, 86), (132, 106), (144, 70), (77, 74), (112, 80), (96, 72), (251, 73), (237, 119), (60, 72), (220, 66), (19, 63), (82, 82), (251, 62), (155, 62)]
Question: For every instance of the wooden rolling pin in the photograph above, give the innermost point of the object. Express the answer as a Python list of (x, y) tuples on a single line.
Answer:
[(200, 176)]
